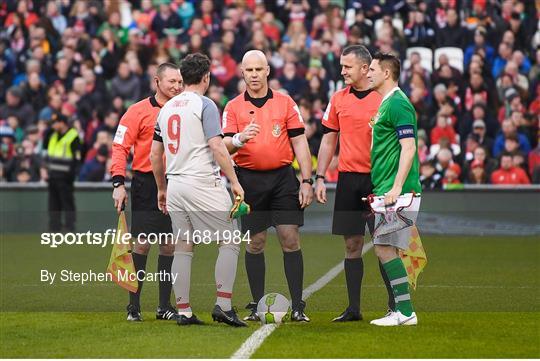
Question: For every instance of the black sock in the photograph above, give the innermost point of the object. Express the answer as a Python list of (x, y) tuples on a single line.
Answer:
[(165, 284), (354, 272), (139, 261), (294, 271), (256, 269), (391, 301)]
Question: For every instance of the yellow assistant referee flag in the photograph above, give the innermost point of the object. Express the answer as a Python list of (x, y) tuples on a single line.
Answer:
[(121, 267), (414, 258)]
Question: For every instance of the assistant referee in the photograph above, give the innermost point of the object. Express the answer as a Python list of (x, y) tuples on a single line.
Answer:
[(349, 114), (136, 129), (266, 131)]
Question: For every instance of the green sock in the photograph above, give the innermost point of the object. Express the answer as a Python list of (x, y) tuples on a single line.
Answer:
[(400, 285)]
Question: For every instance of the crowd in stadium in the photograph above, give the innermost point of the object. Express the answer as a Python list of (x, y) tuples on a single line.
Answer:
[(478, 104)]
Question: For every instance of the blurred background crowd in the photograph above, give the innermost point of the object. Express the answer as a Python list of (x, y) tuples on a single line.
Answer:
[(470, 67)]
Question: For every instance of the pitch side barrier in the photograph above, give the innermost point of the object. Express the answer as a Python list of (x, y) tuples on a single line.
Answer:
[(473, 210)]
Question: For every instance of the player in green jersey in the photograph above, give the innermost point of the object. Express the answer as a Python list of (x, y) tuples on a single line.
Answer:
[(394, 171)]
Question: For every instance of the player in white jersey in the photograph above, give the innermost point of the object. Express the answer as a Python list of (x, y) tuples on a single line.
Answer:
[(188, 132)]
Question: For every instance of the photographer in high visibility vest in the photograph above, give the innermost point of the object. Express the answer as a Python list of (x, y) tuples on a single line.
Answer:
[(62, 155)]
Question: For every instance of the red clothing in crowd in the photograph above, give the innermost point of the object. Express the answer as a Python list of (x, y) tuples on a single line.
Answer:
[(223, 71), (513, 175), (438, 132)]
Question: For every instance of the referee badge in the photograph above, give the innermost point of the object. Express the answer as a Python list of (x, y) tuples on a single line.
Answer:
[(276, 130), (374, 119)]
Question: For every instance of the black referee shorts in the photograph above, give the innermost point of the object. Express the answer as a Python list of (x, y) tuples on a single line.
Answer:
[(351, 213), (273, 197), (145, 214)]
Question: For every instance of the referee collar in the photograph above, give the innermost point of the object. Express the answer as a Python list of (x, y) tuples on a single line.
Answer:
[(360, 94), (258, 102), (154, 102), (390, 93)]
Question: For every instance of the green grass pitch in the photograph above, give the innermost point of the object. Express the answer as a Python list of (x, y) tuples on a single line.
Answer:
[(478, 297)]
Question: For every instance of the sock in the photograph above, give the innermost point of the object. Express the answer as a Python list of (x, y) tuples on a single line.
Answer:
[(395, 270), (391, 301), (354, 272), (225, 274), (294, 272), (139, 261), (165, 283), (181, 266), (256, 269)]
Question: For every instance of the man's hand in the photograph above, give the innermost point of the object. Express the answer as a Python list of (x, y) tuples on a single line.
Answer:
[(320, 190), (392, 196), (305, 196), (250, 132), (120, 197), (237, 190), (162, 201), (44, 174)]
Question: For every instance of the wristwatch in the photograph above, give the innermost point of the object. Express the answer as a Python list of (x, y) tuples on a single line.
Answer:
[(318, 176), (117, 181), (309, 181)]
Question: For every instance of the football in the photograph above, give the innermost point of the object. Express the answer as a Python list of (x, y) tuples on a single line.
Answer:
[(273, 308)]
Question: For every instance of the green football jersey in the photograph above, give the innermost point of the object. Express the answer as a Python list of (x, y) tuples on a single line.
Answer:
[(396, 115)]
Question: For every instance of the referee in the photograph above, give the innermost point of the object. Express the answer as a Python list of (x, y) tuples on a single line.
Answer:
[(349, 113), (266, 131), (136, 129)]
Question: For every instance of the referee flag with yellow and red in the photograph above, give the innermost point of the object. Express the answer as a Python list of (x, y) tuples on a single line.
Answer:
[(121, 267), (414, 258)]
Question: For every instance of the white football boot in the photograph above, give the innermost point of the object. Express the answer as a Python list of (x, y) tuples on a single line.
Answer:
[(396, 319)]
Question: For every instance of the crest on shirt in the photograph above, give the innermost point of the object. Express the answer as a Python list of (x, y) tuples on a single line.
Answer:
[(276, 130), (374, 119)]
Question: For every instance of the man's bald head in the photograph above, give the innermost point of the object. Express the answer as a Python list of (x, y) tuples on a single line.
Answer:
[(254, 55)]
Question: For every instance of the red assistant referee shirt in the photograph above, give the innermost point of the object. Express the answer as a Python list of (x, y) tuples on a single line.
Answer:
[(279, 118), (136, 129), (349, 112)]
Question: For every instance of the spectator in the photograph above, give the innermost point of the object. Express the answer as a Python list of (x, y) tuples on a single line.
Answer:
[(418, 32), (14, 123), (17, 107), (165, 19), (223, 66), (508, 174), (512, 103), (443, 128), (58, 20), (126, 85), (25, 164), (504, 55), (451, 176), (93, 170), (429, 177), (453, 34), (291, 81), (479, 43), (104, 58), (102, 137), (477, 173), (479, 129), (509, 130)]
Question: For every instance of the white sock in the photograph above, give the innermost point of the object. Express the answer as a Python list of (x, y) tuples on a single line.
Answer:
[(225, 274), (181, 267)]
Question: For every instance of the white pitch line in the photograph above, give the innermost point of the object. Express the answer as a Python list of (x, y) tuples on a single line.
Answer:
[(256, 339)]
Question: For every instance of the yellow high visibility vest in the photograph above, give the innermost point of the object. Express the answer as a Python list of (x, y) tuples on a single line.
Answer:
[(61, 148)]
